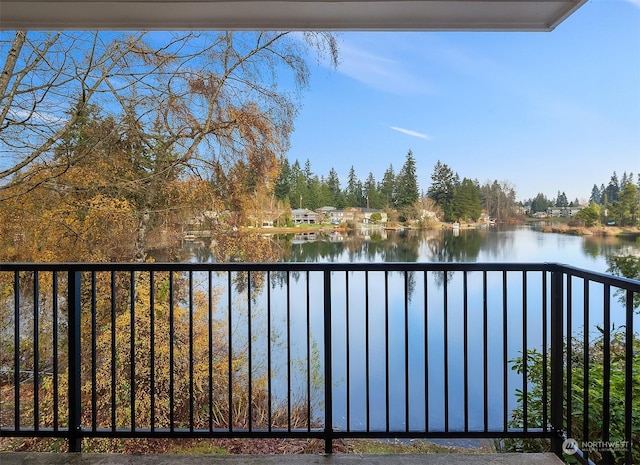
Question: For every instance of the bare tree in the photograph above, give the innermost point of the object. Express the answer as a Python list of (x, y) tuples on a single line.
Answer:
[(186, 102), (47, 81)]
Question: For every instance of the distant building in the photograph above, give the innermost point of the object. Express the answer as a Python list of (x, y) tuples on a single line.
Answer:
[(325, 213), (365, 215), (563, 212), (341, 216), (305, 216)]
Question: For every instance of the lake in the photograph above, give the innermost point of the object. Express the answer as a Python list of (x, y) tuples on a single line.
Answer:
[(522, 244), (424, 346)]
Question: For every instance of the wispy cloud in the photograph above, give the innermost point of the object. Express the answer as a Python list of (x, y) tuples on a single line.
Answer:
[(380, 70), (409, 132), (40, 117)]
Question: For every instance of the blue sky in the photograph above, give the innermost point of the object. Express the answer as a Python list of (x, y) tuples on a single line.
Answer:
[(544, 111)]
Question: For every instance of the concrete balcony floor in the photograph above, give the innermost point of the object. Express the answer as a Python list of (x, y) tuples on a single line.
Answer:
[(31, 458)]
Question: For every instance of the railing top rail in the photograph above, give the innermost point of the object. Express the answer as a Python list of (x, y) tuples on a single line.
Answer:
[(280, 266), (604, 278)]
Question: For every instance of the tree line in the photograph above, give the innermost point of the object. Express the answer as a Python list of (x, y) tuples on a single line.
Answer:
[(448, 197), (617, 202)]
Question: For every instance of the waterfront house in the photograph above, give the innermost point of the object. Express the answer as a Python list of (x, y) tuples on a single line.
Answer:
[(305, 216)]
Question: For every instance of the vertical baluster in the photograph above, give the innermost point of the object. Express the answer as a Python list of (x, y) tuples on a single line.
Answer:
[(525, 355), (16, 350), (113, 351), (446, 351), (545, 360), (250, 355), (210, 346), (465, 343), (191, 310), (269, 371), (328, 379), (132, 348), (171, 352), (585, 367), (628, 380), (485, 350), (557, 362), (606, 368), (94, 362), (230, 350), (36, 351), (54, 323), (386, 346), (308, 308), (569, 342), (406, 350), (288, 351), (505, 355), (74, 306), (366, 349), (152, 353), (348, 353), (426, 350)]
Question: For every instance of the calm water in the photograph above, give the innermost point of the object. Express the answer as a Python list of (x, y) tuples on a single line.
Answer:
[(522, 244), (514, 244)]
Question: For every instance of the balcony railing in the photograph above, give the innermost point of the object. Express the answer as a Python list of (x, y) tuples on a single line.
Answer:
[(329, 351)]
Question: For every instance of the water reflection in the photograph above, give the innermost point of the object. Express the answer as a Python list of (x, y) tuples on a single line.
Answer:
[(514, 244), (388, 246)]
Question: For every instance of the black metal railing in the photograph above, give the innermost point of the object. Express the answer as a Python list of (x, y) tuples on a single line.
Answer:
[(328, 351)]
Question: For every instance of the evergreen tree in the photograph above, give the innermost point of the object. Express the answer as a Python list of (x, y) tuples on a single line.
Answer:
[(283, 181), (466, 204), (388, 187), (325, 196), (314, 194), (561, 200), (540, 203), (625, 210), (299, 191), (442, 189), (308, 174), (353, 192), (407, 183), (333, 183), (613, 188), (596, 195), (373, 199), (624, 181)]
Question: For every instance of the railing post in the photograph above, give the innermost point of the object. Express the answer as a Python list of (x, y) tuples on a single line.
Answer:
[(75, 437), (328, 388), (557, 359)]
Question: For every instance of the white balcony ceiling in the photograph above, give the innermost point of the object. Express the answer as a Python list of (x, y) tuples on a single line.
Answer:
[(394, 15)]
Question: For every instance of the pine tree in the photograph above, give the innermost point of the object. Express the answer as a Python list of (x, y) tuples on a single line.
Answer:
[(407, 183), (373, 199), (353, 192), (596, 195), (388, 187), (442, 189), (283, 181), (613, 188), (466, 201), (333, 182)]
